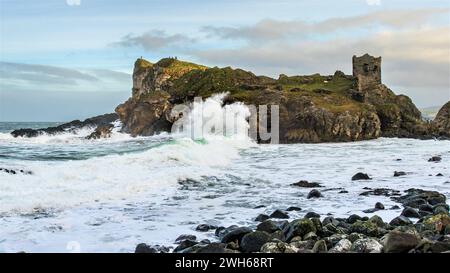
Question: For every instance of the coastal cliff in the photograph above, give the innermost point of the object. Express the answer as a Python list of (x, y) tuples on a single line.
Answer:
[(313, 108)]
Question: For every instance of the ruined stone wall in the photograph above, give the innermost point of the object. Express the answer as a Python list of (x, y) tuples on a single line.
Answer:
[(367, 70)]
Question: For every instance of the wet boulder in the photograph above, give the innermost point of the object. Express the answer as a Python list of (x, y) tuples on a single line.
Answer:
[(361, 176)]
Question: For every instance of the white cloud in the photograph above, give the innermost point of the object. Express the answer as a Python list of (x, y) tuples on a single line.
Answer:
[(154, 40)]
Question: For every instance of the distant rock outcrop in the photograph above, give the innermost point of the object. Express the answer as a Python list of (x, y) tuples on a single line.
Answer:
[(68, 127), (442, 121)]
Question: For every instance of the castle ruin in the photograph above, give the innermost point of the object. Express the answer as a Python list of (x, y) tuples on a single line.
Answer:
[(367, 70)]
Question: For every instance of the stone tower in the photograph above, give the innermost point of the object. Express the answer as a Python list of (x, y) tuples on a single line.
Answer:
[(367, 70)]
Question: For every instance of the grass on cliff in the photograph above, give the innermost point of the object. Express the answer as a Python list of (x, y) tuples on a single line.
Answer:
[(141, 64), (190, 80), (177, 68)]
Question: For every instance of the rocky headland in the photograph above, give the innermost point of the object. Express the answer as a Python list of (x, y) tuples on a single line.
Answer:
[(313, 108)]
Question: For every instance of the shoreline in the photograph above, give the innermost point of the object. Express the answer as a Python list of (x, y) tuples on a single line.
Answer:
[(420, 228)]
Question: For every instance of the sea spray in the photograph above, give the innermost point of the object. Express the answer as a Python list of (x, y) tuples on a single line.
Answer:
[(210, 118)]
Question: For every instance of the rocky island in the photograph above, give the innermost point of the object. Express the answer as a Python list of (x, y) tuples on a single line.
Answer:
[(313, 108)]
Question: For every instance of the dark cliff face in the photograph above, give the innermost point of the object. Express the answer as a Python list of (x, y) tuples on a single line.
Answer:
[(442, 121), (313, 108)]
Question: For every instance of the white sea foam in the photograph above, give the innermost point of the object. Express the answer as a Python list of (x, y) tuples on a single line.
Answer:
[(132, 195)]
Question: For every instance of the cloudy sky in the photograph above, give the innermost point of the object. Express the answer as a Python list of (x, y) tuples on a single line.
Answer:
[(71, 59)]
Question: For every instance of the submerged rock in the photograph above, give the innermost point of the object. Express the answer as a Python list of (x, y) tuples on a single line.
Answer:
[(183, 237), (314, 194), (17, 171), (102, 120), (435, 159), (261, 218), (361, 176), (306, 184), (144, 248), (396, 174), (279, 214), (312, 214), (205, 227)]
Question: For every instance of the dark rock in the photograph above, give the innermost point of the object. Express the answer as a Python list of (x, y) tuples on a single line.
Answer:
[(435, 159), (415, 203), (314, 194), (381, 192), (379, 206), (213, 248), (437, 200), (394, 207), (312, 214), (205, 227), (416, 197), (400, 221), (253, 241), (300, 227), (144, 248), (426, 207), (398, 242), (424, 213), (365, 227), (101, 120), (378, 221), (279, 214), (259, 206), (262, 218), (220, 231), (396, 174), (344, 191), (440, 247), (278, 235), (102, 131), (306, 184), (205, 241), (353, 218), (293, 209), (410, 213), (185, 237), (370, 210), (439, 174), (330, 220), (268, 226), (361, 176), (185, 244), (235, 234), (440, 209), (17, 171)]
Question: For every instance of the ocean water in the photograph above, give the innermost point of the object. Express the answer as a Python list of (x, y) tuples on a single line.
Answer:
[(108, 195)]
